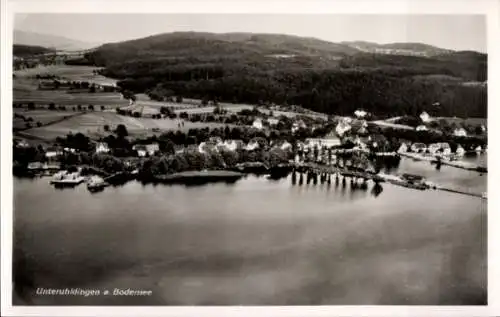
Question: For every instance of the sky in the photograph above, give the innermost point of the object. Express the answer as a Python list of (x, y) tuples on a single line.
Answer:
[(457, 32)]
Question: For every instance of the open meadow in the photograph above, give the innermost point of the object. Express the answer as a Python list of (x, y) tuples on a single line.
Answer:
[(93, 124), (72, 120), (66, 72)]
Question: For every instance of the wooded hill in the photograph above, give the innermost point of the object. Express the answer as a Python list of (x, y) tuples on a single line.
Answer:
[(328, 77), (29, 50)]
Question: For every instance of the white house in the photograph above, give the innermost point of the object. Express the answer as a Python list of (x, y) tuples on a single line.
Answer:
[(52, 153), (421, 128), (403, 148), (102, 147), (232, 145), (148, 149), (439, 148), (152, 148), (286, 146), (424, 116), (460, 151), (360, 113), (140, 149), (342, 127), (70, 150), (257, 123), (252, 145), (273, 121), (22, 144), (460, 132)]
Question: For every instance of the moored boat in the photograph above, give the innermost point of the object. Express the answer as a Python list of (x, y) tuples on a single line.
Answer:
[(96, 183)]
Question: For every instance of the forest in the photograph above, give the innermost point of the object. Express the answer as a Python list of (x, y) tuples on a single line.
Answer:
[(321, 76)]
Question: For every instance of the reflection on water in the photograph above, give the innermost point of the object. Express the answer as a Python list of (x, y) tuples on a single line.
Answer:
[(255, 242)]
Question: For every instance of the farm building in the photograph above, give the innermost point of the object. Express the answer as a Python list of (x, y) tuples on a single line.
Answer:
[(421, 128)]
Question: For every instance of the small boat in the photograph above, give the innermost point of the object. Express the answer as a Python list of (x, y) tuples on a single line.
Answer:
[(96, 183)]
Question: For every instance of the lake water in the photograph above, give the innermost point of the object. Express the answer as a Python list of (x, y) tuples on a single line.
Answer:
[(255, 242)]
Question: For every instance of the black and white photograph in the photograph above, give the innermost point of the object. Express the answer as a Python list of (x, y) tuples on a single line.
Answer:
[(181, 159)]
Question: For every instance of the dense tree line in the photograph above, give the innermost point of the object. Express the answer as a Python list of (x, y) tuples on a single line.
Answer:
[(331, 91), (29, 50)]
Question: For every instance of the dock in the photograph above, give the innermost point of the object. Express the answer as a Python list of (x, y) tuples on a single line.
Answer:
[(457, 164), (460, 191), (325, 172)]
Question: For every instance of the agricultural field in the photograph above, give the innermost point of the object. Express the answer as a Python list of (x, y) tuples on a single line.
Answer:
[(42, 116), (66, 72), (92, 124), (60, 97)]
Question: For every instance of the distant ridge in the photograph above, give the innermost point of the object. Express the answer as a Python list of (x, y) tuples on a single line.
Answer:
[(410, 49), (50, 41)]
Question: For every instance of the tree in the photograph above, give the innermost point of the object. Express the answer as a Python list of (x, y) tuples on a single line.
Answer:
[(121, 131), (106, 127), (91, 107), (31, 106), (478, 130), (79, 107), (166, 110), (103, 108), (178, 99), (38, 124), (52, 106)]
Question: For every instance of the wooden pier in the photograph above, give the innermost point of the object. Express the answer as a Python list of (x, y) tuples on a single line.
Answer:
[(325, 173)]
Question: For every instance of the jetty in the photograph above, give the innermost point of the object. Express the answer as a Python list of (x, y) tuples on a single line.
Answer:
[(64, 178), (457, 164), (461, 191), (325, 172)]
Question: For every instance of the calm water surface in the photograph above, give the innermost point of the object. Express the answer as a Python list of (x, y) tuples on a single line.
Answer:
[(256, 242)]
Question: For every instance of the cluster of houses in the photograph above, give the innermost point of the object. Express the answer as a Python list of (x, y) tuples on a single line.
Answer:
[(442, 149), (426, 118)]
